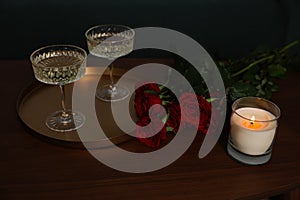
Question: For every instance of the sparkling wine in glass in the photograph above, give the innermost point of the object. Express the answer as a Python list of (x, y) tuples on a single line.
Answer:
[(110, 42), (60, 65)]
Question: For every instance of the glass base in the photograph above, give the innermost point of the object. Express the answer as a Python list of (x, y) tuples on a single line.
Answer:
[(111, 93), (72, 121), (248, 159)]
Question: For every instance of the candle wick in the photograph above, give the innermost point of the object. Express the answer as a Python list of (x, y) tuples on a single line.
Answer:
[(251, 122)]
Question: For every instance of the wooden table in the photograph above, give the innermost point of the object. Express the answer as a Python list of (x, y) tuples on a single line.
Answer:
[(31, 168)]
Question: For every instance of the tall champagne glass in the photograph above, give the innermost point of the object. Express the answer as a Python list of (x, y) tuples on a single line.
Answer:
[(110, 42), (60, 65)]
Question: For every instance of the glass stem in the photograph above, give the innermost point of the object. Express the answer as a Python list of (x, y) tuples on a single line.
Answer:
[(112, 85), (63, 101)]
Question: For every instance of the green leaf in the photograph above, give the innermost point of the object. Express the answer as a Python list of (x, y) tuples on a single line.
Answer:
[(170, 129), (211, 99), (277, 70), (165, 118), (150, 92), (264, 81), (240, 89), (257, 77)]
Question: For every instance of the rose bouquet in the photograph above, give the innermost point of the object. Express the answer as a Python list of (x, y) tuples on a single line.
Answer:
[(253, 75), (169, 114)]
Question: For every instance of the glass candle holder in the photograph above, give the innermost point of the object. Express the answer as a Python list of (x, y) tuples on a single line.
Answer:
[(253, 126)]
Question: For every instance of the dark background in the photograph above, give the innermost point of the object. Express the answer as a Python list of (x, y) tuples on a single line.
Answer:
[(229, 28)]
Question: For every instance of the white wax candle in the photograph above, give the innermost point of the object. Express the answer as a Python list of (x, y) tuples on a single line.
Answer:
[(250, 136)]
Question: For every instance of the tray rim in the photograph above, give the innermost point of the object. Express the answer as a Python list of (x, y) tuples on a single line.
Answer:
[(35, 85)]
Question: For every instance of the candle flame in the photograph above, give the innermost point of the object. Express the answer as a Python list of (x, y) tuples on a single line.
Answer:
[(253, 125), (252, 120)]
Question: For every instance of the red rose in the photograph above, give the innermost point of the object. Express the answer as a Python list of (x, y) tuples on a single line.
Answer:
[(189, 105), (145, 97), (174, 116), (142, 133), (143, 103), (190, 117)]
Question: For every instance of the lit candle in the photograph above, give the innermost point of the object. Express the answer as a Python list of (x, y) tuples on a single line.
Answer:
[(252, 130), (253, 125)]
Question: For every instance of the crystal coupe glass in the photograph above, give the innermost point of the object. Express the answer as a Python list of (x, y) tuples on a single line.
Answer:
[(60, 65), (110, 42)]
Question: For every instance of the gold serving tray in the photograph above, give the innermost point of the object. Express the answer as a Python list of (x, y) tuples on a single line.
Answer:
[(38, 100)]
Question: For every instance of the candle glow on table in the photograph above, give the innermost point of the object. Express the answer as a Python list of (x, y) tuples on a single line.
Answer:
[(252, 130)]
